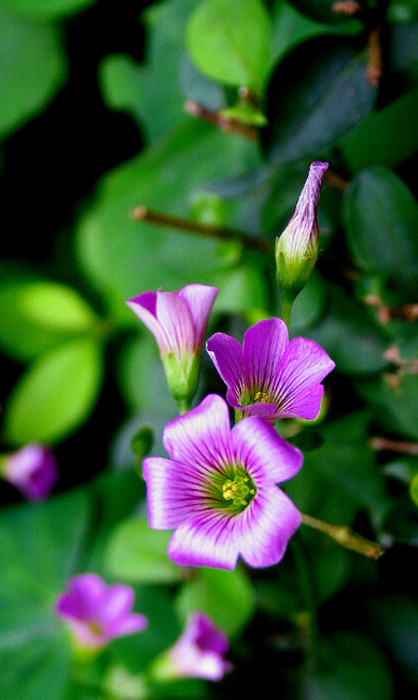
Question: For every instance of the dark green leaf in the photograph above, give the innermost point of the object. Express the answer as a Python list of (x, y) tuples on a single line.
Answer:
[(395, 622), (345, 464), (395, 405), (352, 667), (317, 94), (350, 336), (376, 142), (381, 222)]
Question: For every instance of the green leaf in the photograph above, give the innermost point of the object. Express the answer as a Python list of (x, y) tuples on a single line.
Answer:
[(119, 254), (352, 667), (346, 464), (39, 547), (413, 489), (47, 8), (402, 11), (243, 291), (229, 40), (395, 623), (55, 394), (350, 336), (316, 95), (32, 68), (376, 142), (396, 406), (127, 85), (142, 442), (226, 596), (35, 315), (290, 27), (381, 221), (138, 554)]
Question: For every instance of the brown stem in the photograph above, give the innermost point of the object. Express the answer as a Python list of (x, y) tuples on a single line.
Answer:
[(407, 448), (209, 115), (374, 64), (345, 537), (336, 181), (142, 213)]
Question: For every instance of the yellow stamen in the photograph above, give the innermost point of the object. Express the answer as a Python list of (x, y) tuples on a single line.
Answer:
[(262, 397)]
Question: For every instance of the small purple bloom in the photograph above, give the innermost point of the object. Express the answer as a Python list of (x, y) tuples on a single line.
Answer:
[(218, 490), (268, 375), (199, 652), (178, 321), (97, 612), (32, 469)]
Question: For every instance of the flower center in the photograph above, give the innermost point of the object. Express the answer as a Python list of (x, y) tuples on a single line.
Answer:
[(261, 397), (240, 490), (94, 627)]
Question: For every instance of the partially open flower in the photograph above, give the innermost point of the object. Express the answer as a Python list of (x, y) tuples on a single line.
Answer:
[(268, 375), (298, 246), (32, 469), (198, 653), (97, 612), (218, 490), (178, 321)]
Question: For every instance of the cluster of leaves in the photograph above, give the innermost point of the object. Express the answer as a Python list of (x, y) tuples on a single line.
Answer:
[(269, 87)]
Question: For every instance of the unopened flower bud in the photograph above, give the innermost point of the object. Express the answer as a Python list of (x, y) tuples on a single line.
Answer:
[(178, 321), (298, 247)]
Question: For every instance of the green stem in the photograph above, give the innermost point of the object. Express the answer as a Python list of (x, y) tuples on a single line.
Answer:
[(345, 537), (183, 406), (286, 309)]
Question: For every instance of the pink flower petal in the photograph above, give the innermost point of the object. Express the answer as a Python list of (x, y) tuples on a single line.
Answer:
[(174, 491), (176, 320), (304, 365), (208, 423), (206, 539), (226, 355), (263, 348), (266, 455), (199, 299), (265, 527)]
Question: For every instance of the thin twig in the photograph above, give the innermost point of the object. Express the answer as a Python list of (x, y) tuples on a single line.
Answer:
[(375, 63), (346, 7), (142, 213), (407, 448), (195, 109)]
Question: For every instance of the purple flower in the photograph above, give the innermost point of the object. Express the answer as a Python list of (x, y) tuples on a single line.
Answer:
[(268, 375), (97, 612), (298, 246), (32, 469), (178, 321), (199, 652), (218, 490)]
